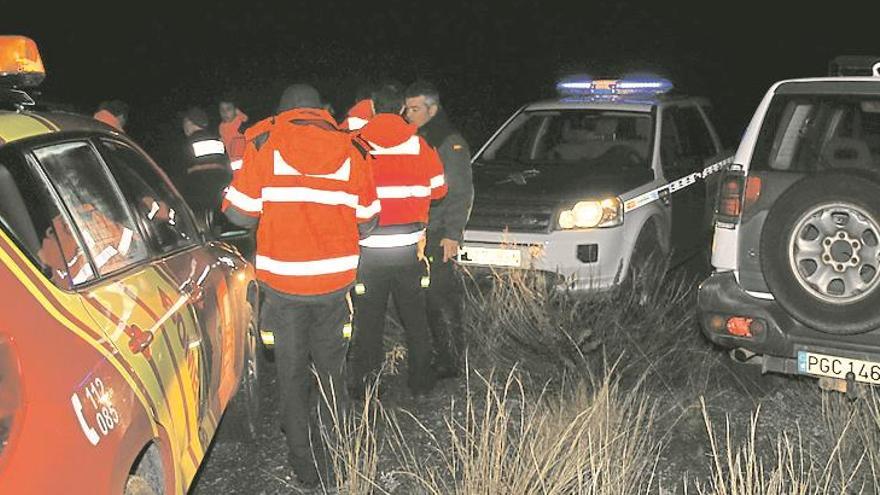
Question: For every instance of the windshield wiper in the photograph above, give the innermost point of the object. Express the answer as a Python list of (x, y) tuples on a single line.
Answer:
[(520, 178)]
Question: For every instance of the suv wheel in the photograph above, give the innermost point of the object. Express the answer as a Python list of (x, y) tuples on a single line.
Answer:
[(820, 253)]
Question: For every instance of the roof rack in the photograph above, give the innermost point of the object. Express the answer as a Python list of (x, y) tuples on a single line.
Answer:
[(855, 65)]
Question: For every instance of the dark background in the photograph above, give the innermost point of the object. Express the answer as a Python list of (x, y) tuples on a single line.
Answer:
[(487, 58)]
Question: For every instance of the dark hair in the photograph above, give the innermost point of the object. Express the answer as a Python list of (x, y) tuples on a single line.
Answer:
[(197, 116), (387, 99), (363, 92), (116, 107), (228, 97), (426, 89)]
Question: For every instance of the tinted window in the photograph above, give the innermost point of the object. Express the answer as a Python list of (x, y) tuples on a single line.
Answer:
[(685, 141), (30, 215), (98, 210), (151, 197), (695, 133), (806, 133)]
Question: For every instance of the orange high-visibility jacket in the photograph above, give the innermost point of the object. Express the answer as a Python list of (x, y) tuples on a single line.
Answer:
[(309, 187), (108, 118), (358, 115), (233, 138), (408, 175)]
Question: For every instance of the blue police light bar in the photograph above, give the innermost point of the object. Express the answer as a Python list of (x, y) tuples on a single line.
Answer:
[(583, 85)]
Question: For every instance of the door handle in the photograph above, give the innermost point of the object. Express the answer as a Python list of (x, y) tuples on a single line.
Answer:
[(665, 197)]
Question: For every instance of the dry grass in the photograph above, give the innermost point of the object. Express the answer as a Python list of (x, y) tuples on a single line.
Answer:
[(501, 440), (517, 432)]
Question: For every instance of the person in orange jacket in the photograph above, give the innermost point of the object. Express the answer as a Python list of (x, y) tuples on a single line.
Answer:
[(408, 175), (308, 189), (113, 113), (232, 124), (358, 115)]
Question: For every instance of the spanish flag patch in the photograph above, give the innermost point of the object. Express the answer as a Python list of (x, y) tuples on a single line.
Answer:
[(457, 147)]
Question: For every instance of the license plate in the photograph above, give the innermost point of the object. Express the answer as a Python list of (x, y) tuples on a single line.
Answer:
[(471, 255), (838, 367)]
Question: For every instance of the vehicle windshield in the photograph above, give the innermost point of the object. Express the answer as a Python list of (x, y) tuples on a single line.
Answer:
[(588, 139), (811, 133)]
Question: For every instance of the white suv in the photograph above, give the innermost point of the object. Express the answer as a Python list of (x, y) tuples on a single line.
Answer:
[(796, 253), (579, 186)]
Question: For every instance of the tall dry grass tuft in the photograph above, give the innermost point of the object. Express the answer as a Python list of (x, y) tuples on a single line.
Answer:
[(507, 442), (522, 319), (781, 465)]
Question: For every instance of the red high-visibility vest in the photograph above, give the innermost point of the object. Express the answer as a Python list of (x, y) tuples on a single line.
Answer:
[(408, 175)]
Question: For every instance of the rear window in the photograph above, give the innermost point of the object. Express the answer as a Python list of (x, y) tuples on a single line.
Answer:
[(812, 133)]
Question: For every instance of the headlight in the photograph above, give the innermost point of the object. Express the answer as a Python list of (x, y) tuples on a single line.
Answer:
[(592, 214)]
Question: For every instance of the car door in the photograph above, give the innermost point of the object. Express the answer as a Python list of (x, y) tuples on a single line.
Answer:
[(199, 270), (124, 289), (686, 145)]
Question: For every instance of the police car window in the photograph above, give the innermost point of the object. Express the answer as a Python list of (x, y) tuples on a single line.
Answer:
[(31, 217), (699, 141), (685, 140), (151, 196), (805, 133), (587, 140), (107, 228)]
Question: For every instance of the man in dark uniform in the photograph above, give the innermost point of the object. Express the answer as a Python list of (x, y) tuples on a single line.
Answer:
[(207, 171), (446, 223)]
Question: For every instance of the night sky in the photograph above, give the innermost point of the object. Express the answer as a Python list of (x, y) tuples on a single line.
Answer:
[(488, 58)]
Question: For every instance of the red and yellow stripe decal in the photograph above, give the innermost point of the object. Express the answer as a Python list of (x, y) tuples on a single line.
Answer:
[(72, 316)]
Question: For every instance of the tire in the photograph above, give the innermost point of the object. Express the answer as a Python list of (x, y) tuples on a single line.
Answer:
[(819, 253), (243, 415), (136, 485), (646, 254)]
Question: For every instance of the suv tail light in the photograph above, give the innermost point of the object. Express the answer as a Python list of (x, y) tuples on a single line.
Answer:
[(729, 206), (11, 399), (737, 192)]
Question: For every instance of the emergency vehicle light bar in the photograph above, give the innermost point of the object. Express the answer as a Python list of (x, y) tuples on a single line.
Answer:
[(584, 85), (20, 62)]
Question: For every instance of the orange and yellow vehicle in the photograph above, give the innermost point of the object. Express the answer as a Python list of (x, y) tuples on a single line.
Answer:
[(126, 332)]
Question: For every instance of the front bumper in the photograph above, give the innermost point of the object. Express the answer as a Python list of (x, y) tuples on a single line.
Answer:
[(784, 336), (585, 260)]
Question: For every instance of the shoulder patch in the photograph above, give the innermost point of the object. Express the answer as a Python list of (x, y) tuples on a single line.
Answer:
[(457, 147)]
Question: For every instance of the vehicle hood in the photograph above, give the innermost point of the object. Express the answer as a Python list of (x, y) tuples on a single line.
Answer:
[(493, 182)]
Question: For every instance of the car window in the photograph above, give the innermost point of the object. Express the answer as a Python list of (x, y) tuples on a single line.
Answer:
[(31, 217), (98, 210), (810, 133), (685, 141), (698, 141), (151, 197)]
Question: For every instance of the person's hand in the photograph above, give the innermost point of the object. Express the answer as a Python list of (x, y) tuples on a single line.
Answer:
[(450, 249)]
